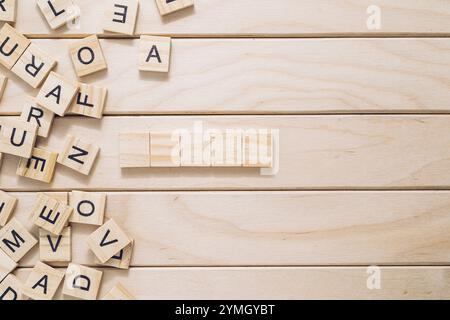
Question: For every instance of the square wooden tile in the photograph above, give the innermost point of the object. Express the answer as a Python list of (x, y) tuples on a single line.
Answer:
[(119, 292), (17, 137), (90, 101), (15, 240), (134, 149), (38, 115), (82, 282), (55, 248), (50, 214), (8, 10), (169, 6), (165, 149), (11, 289), (34, 65), (78, 155), (121, 260), (3, 83), (154, 53), (40, 166), (7, 265), (121, 16), (57, 93), (88, 207), (14, 45), (87, 56), (107, 241), (57, 12), (42, 282), (7, 206)]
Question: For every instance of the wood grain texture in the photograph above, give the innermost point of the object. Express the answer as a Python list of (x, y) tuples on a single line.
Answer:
[(266, 18), (276, 283), (271, 228), (266, 76), (316, 152)]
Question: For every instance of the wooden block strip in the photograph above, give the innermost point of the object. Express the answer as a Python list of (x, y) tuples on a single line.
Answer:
[(267, 18), (277, 283), (316, 152), (278, 228), (207, 76)]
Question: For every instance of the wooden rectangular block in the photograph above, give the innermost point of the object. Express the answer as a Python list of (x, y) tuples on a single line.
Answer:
[(119, 292), (12, 45), (154, 53), (11, 289), (55, 248), (42, 282), (57, 12), (7, 205), (90, 101), (87, 56), (57, 93), (40, 166), (165, 149), (8, 10), (258, 148), (169, 6), (88, 207), (120, 16), (82, 282), (226, 148), (41, 116), (195, 149), (3, 82), (134, 149), (7, 265), (78, 155), (17, 137), (50, 214), (15, 240), (122, 259), (107, 241), (34, 65)]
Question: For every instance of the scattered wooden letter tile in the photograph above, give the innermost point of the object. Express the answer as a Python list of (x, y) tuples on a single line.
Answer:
[(11, 289), (195, 150), (107, 241), (82, 282), (17, 137), (42, 282), (7, 265), (3, 82), (90, 101), (226, 148), (169, 6), (154, 53), (258, 149), (120, 16), (57, 93), (122, 259), (78, 155), (50, 214), (34, 113), (12, 45), (165, 149), (119, 292), (8, 9), (15, 240), (87, 56), (55, 248), (88, 207), (40, 166), (7, 205), (134, 149), (57, 12), (34, 65)]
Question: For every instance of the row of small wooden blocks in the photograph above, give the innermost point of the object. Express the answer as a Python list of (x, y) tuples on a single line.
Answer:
[(120, 15), (236, 148), (111, 246)]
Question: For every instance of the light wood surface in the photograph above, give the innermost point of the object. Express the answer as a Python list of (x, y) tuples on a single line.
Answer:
[(276, 283), (271, 228), (264, 18), (316, 152), (265, 76)]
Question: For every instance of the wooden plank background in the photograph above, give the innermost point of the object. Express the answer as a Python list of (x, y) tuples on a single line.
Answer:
[(364, 157)]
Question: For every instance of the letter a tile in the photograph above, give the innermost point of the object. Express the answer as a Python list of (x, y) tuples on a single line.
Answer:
[(42, 282), (154, 54)]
